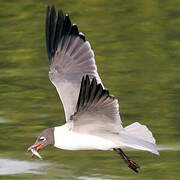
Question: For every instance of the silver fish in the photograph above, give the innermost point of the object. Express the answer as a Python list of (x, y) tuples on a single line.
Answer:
[(35, 153)]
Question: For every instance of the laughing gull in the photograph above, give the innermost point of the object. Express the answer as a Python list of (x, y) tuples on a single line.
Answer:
[(92, 115)]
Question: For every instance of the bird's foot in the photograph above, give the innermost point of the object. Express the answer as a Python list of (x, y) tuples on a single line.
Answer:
[(132, 164)]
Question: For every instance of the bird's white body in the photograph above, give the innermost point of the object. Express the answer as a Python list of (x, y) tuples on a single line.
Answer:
[(133, 136), (69, 140)]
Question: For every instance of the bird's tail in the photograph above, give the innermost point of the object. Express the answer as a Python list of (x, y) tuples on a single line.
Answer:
[(140, 131), (139, 137)]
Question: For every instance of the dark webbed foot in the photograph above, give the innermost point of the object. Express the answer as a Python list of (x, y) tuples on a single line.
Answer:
[(130, 162)]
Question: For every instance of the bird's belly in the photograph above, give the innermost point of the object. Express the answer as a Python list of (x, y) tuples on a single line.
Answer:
[(76, 141)]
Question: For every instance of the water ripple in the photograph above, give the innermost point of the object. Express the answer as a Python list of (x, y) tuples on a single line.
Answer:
[(9, 166)]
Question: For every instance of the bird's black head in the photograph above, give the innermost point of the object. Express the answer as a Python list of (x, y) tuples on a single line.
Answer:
[(45, 138)]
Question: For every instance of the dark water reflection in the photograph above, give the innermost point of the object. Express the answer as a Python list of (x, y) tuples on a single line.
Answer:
[(137, 48)]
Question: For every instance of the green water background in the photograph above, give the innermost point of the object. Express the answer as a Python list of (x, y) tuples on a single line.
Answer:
[(137, 51)]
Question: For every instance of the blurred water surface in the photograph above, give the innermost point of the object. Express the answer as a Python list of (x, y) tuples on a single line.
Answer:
[(137, 48)]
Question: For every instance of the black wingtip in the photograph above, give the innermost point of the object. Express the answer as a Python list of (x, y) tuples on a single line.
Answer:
[(74, 30), (91, 93), (57, 27), (48, 8), (82, 36), (53, 8)]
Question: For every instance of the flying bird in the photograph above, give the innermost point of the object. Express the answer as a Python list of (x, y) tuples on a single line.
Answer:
[(92, 115)]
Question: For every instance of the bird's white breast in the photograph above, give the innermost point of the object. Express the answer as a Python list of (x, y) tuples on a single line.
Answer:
[(67, 139)]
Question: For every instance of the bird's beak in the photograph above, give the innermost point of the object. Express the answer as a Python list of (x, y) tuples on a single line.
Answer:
[(34, 149)]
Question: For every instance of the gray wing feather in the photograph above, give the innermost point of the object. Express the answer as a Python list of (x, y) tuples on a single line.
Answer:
[(97, 112), (70, 58)]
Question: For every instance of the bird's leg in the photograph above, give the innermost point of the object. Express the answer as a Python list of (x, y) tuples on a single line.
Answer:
[(130, 163)]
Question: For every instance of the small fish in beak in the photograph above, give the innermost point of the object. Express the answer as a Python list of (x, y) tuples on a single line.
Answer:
[(35, 153), (34, 149)]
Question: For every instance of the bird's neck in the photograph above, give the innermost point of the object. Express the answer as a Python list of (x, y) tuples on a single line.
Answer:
[(60, 134)]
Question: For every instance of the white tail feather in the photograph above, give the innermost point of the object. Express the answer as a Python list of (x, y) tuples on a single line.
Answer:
[(140, 137), (141, 132)]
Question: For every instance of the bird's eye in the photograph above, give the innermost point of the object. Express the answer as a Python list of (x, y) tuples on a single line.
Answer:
[(42, 138)]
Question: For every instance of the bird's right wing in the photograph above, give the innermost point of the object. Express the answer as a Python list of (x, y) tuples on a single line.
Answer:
[(97, 112), (70, 58)]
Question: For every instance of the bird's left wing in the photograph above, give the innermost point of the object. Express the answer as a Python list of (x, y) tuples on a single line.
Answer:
[(97, 112), (70, 58)]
